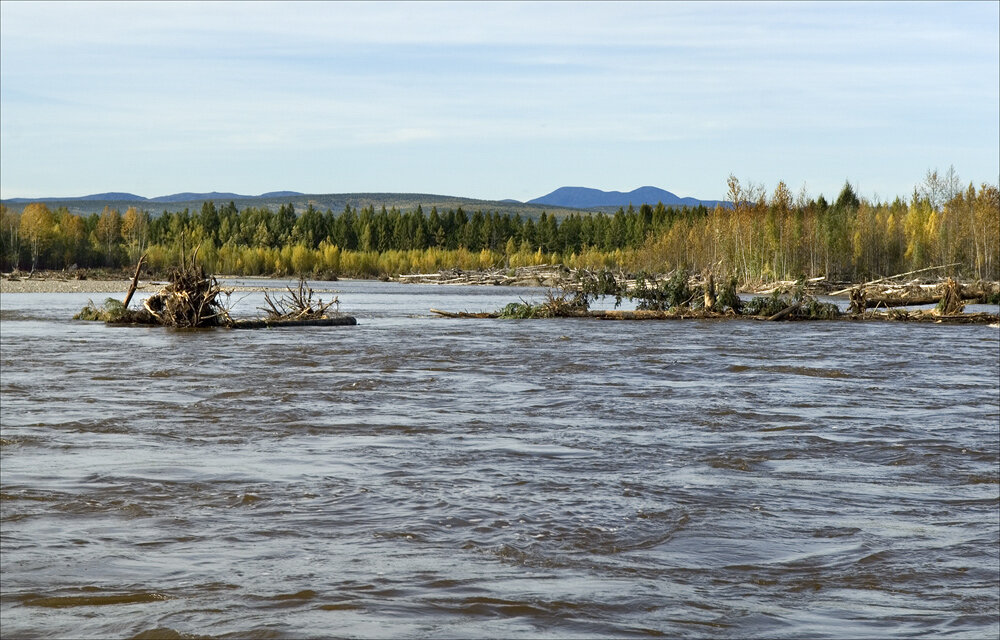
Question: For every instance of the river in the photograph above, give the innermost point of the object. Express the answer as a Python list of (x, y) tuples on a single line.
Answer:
[(416, 476)]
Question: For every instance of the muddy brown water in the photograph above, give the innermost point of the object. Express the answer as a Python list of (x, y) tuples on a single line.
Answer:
[(416, 476)]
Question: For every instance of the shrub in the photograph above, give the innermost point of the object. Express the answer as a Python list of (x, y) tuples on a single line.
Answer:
[(112, 311)]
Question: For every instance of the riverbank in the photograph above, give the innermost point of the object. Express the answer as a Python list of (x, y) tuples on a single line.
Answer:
[(55, 285), (60, 282), (880, 293)]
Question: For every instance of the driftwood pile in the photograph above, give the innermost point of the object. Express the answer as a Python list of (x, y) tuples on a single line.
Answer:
[(193, 300), (562, 277), (680, 298), (298, 305), (531, 276), (297, 309), (885, 292), (189, 300), (948, 293)]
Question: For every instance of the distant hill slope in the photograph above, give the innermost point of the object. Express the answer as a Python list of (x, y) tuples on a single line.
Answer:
[(559, 203), (301, 201), (111, 196), (114, 195), (280, 194), (189, 197), (585, 198), (117, 196)]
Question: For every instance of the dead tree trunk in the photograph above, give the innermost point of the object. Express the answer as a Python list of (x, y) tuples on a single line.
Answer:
[(135, 282)]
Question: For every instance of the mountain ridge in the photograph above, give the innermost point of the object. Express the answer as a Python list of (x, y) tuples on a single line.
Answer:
[(561, 202), (588, 198), (184, 196)]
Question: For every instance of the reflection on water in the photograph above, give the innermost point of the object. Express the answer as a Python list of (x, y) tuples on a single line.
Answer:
[(422, 476)]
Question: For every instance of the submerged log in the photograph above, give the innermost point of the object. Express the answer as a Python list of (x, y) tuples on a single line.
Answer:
[(142, 318), (267, 323), (463, 314), (649, 314), (961, 318), (891, 315)]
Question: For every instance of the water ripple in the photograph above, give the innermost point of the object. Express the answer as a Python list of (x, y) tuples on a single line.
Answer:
[(414, 476)]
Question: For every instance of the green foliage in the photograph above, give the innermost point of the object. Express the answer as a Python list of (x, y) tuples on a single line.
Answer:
[(598, 283), (728, 298), (554, 306), (679, 293), (660, 295), (112, 311), (651, 293), (89, 312), (807, 307), (766, 305), (816, 310), (519, 311), (847, 199)]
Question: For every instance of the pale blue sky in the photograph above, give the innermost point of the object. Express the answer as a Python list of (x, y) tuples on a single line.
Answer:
[(494, 100)]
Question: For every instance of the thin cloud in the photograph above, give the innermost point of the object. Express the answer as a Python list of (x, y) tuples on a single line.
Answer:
[(646, 82)]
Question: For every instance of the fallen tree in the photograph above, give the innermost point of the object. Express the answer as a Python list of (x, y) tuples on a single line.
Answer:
[(916, 294)]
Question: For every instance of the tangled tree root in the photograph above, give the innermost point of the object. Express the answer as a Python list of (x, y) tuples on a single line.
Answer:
[(951, 300), (190, 299)]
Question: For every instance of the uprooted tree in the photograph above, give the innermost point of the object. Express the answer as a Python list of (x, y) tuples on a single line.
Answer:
[(190, 299)]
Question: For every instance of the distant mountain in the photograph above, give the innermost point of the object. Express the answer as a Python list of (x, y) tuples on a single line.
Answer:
[(217, 196), (585, 198), (564, 198), (118, 196), (113, 196), (280, 194), (189, 197), (300, 201)]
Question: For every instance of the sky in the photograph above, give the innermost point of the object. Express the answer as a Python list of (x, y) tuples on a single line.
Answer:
[(495, 100)]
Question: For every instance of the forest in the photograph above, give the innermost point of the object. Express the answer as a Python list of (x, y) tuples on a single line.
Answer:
[(761, 235)]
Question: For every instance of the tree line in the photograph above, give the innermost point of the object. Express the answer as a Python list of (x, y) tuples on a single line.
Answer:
[(758, 236)]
